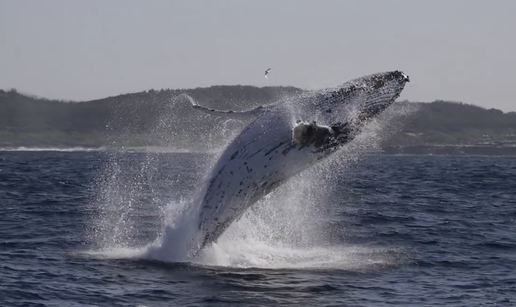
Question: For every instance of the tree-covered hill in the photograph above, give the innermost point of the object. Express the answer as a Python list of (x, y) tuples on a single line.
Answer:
[(165, 118)]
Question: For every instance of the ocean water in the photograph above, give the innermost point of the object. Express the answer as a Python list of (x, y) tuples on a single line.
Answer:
[(86, 228)]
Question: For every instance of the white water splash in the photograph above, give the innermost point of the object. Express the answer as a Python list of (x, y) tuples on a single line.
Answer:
[(180, 226), (283, 230), (249, 254)]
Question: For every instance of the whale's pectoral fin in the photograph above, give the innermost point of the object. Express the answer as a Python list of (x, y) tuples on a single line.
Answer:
[(255, 111), (306, 134), (245, 114), (321, 137), (240, 115)]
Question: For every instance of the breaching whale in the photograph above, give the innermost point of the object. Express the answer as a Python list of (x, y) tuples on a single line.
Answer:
[(284, 139)]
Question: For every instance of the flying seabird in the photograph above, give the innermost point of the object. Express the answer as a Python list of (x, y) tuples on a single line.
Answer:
[(266, 72)]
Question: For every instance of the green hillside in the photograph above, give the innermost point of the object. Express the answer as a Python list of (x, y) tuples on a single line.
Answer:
[(165, 118)]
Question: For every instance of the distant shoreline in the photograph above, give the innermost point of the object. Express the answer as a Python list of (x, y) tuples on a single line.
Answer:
[(147, 122), (452, 150)]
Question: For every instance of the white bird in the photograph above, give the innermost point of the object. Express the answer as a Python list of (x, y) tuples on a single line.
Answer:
[(266, 72)]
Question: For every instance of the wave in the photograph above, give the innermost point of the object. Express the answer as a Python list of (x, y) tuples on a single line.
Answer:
[(167, 149)]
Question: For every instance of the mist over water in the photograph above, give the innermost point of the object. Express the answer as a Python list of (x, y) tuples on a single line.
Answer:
[(289, 228)]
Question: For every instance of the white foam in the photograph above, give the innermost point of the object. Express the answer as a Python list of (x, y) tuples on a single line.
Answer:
[(247, 254), (116, 253), (179, 227)]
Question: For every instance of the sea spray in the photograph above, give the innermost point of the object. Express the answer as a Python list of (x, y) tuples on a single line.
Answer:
[(287, 228), (179, 228), (129, 190)]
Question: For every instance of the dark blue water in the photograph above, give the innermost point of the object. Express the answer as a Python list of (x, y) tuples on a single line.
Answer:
[(391, 231)]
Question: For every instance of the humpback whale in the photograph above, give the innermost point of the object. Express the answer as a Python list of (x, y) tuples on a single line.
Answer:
[(284, 139)]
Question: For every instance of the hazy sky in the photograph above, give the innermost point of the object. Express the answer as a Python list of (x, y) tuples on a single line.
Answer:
[(80, 50)]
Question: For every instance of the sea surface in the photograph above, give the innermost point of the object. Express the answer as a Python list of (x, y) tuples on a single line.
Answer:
[(86, 228)]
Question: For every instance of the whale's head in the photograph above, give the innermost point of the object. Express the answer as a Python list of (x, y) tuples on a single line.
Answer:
[(343, 111)]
